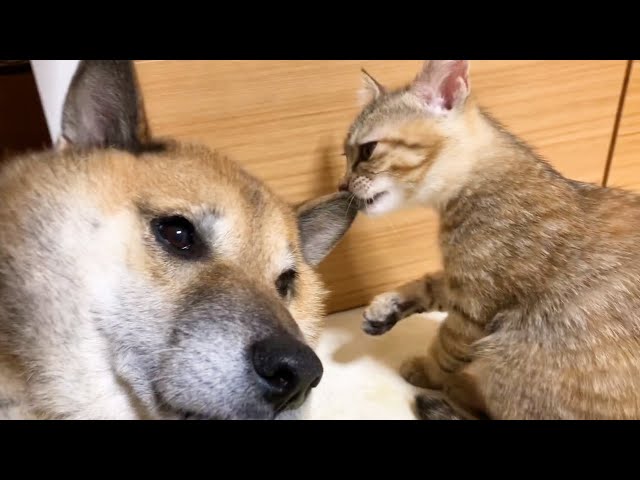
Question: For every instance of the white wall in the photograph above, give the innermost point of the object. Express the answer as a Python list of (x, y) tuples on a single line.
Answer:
[(52, 79)]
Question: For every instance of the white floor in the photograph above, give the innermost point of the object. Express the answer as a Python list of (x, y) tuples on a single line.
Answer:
[(361, 380)]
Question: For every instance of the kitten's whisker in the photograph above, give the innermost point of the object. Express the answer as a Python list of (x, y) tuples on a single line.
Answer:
[(349, 205)]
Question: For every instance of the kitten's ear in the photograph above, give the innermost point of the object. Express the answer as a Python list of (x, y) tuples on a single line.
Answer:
[(443, 84), (103, 107), (370, 89), (323, 222)]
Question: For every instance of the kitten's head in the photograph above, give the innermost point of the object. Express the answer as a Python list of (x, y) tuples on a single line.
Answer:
[(395, 145)]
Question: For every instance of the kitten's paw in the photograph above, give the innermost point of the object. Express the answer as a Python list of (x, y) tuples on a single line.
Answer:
[(433, 406), (413, 371), (418, 371), (382, 314)]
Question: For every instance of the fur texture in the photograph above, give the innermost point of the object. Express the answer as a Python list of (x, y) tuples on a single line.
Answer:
[(541, 276)]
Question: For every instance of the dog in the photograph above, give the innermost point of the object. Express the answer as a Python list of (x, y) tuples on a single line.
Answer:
[(142, 278)]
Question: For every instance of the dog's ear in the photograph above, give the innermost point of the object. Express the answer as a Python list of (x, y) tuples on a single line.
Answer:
[(103, 107), (323, 222)]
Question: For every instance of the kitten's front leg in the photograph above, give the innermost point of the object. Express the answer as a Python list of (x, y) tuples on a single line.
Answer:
[(387, 309), (461, 399), (449, 352)]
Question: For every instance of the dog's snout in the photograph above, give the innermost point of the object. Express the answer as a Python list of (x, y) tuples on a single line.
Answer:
[(288, 370)]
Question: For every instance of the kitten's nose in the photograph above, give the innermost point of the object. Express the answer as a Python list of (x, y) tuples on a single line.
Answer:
[(343, 187)]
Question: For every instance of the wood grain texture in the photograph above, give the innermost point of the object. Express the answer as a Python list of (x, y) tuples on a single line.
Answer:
[(625, 165), (285, 122)]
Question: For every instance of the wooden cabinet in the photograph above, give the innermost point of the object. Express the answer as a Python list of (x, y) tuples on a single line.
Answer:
[(285, 122), (625, 166)]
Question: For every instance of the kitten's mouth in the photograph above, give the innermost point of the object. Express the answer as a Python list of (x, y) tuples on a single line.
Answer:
[(369, 202)]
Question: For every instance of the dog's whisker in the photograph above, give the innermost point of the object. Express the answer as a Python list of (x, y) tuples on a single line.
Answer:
[(161, 377), (165, 350)]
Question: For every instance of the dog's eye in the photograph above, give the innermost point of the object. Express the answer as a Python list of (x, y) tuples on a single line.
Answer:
[(177, 233), (365, 150), (284, 283)]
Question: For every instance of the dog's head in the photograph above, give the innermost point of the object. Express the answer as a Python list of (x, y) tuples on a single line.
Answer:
[(200, 280)]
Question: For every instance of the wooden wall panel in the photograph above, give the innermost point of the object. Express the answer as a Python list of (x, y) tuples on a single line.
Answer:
[(285, 122)]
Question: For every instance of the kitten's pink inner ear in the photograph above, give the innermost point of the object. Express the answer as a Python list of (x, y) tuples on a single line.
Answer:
[(456, 84), (443, 83)]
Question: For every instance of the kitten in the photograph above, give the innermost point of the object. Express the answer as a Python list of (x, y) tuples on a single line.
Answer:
[(541, 277)]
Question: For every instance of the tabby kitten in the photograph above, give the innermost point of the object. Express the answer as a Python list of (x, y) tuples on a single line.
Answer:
[(541, 277)]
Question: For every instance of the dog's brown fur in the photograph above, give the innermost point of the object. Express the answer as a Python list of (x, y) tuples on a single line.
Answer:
[(541, 276), (97, 318)]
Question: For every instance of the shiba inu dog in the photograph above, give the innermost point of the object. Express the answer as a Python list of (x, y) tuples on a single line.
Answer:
[(149, 279)]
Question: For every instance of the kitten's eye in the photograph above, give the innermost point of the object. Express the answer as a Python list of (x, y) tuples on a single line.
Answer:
[(176, 233), (284, 283), (365, 150)]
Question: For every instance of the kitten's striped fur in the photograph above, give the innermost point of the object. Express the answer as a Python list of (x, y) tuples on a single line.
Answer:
[(541, 277)]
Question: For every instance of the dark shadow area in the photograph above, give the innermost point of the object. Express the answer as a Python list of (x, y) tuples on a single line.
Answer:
[(409, 337), (23, 126)]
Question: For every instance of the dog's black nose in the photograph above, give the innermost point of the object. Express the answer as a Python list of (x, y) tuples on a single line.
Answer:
[(288, 368)]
